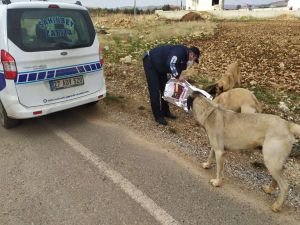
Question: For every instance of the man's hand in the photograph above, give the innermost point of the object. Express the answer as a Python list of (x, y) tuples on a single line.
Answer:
[(181, 78)]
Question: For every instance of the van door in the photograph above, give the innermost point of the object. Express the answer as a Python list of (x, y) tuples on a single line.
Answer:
[(56, 54)]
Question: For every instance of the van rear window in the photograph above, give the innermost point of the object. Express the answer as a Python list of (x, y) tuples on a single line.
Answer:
[(35, 30)]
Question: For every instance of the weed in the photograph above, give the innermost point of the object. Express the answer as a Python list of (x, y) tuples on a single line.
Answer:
[(249, 18), (172, 130), (273, 98), (242, 18), (293, 100), (294, 97), (204, 81), (265, 96), (110, 99), (147, 32)]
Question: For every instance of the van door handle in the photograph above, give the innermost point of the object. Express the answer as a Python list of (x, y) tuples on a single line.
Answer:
[(64, 53)]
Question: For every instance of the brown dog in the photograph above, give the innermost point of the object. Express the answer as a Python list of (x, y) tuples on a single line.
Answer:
[(230, 79), (237, 131), (239, 100)]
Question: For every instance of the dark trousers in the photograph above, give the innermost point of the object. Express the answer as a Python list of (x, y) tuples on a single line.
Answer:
[(156, 86)]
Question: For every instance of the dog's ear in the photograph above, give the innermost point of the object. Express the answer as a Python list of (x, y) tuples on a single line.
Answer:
[(219, 89), (211, 89), (190, 101)]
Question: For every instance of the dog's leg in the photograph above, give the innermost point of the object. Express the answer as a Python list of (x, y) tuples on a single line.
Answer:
[(247, 109), (207, 164), (283, 185), (269, 189), (219, 153), (275, 153), (238, 75), (239, 81)]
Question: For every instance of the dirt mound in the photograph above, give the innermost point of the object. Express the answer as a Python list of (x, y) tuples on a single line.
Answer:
[(191, 16)]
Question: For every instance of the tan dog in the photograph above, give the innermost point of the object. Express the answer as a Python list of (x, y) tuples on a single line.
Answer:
[(230, 79), (237, 131), (239, 100)]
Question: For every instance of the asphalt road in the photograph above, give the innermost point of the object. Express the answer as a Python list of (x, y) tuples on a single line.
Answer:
[(64, 169)]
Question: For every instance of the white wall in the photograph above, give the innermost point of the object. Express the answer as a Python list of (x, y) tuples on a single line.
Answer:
[(259, 14), (294, 4)]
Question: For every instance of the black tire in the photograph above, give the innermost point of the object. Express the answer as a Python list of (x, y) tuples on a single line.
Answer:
[(5, 120)]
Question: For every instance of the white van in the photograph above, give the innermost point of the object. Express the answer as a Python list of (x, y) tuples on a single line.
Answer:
[(50, 59)]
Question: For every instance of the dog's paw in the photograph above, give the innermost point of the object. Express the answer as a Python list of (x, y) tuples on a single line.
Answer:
[(216, 182), (267, 189), (276, 207), (206, 165)]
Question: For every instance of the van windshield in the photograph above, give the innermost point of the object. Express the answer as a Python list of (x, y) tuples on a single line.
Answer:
[(46, 29)]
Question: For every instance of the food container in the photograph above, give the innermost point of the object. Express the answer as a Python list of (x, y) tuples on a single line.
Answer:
[(177, 93)]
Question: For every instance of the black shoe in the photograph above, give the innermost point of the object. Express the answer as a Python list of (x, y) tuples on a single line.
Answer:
[(161, 121), (170, 116)]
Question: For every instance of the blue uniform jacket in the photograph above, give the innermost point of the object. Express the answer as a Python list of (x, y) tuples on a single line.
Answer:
[(170, 59)]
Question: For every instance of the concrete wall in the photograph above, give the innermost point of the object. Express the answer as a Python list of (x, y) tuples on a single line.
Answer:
[(233, 14), (258, 13), (171, 15)]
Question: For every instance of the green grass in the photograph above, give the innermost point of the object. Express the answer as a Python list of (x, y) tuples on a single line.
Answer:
[(172, 130), (112, 99), (293, 100), (294, 97), (272, 97), (148, 34), (141, 108), (242, 18), (204, 81), (265, 96), (250, 18)]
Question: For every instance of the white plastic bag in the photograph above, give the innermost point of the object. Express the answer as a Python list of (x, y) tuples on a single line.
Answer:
[(177, 93)]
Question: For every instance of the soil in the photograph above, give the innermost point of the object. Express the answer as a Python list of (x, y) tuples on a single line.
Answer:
[(192, 16), (268, 52)]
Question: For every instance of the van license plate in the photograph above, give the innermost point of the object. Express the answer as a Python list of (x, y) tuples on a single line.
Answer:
[(66, 83)]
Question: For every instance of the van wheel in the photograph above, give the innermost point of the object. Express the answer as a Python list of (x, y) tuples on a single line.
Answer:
[(5, 120)]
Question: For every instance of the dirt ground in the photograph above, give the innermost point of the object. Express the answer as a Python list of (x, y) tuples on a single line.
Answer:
[(270, 66)]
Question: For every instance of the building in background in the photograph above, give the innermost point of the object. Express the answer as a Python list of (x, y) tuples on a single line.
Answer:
[(204, 5), (294, 4)]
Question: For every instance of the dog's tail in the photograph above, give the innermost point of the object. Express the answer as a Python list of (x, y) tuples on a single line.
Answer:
[(258, 105), (295, 128)]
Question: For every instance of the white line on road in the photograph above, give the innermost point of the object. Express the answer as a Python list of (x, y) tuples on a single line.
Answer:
[(137, 195)]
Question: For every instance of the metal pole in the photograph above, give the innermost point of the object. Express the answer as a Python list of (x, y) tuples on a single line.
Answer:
[(221, 4), (134, 8)]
